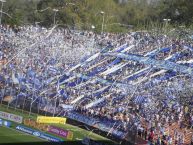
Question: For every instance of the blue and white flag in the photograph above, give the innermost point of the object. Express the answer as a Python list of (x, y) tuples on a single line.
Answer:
[(139, 99)]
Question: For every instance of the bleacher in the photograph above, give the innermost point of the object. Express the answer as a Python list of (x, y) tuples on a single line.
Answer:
[(112, 89)]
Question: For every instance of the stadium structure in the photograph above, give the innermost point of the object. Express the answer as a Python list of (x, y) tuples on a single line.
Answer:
[(121, 90)]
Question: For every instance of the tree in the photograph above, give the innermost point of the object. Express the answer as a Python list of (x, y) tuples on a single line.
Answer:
[(85, 13)]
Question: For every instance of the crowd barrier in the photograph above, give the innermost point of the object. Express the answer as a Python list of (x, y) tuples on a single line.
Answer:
[(84, 123), (49, 128)]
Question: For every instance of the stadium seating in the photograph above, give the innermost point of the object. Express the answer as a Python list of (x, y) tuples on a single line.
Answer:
[(133, 84)]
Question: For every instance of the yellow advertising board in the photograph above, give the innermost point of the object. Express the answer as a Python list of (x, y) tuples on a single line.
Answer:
[(43, 119)]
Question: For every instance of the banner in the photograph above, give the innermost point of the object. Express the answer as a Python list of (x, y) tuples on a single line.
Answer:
[(42, 119), (48, 128), (61, 132), (162, 64), (34, 124), (5, 123), (11, 117), (38, 134)]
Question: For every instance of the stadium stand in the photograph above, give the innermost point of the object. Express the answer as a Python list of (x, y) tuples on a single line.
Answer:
[(132, 84)]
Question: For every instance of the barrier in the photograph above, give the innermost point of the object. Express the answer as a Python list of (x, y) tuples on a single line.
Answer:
[(42, 119), (5, 123), (48, 128), (34, 124), (60, 132), (38, 134), (11, 117), (75, 121)]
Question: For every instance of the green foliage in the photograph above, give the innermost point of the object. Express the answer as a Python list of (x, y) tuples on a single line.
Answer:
[(83, 14)]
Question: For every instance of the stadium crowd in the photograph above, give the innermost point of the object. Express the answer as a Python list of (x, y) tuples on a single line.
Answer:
[(45, 66)]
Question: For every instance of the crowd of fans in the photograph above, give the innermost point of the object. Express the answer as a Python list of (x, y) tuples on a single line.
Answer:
[(44, 66)]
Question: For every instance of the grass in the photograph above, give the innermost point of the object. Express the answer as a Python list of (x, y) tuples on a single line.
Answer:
[(8, 135), (78, 133)]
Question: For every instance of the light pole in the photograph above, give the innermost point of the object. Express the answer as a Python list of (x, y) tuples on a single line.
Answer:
[(103, 21), (102, 13), (55, 11), (2, 1)]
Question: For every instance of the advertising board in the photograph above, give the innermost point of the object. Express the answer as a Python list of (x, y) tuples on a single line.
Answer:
[(11, 117), (48, 128), (38, 134), (43, 119), (5, 123), (34, 124), (60, 132)]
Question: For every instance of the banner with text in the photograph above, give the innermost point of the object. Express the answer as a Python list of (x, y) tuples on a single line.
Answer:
[(11, 117), (43, 119), (39, 134), (61, 132)]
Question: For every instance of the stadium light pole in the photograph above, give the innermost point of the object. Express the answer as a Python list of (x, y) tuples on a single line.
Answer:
[(55, 11), (102, 29), (2, 1), (103, 14)]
